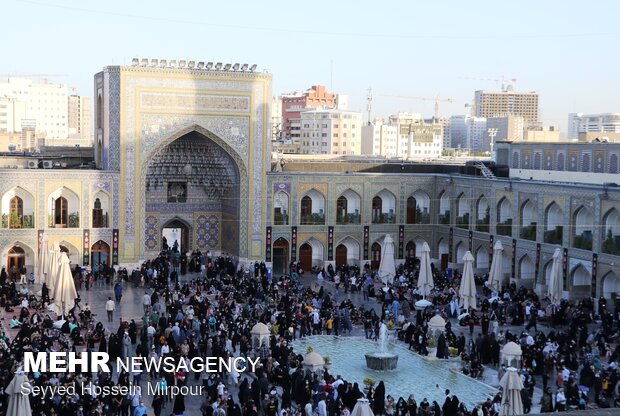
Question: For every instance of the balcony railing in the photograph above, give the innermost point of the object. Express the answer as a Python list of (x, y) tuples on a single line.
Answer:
[(384, 218), (280, 218), (73, 221), (529, 232), (354, 218), (17, 221), (423, 218), (444, 218), (505, 228), (482, 225), (583, 240), (312, 219), (611, 245), (463, 221), (554, 236)]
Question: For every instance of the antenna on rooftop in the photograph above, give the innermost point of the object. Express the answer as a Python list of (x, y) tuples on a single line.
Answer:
[(369, 103)]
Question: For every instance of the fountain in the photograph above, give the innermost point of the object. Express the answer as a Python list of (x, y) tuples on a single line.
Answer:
[(382, 360)]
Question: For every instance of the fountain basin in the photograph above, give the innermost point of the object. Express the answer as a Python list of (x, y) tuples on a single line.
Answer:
[(381, 361)]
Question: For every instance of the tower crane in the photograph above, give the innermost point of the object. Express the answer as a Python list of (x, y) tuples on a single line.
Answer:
[(505, 82), (437, 100)]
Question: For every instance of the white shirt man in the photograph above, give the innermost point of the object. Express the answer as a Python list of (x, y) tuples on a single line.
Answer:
[(110, 306), (146, 302)]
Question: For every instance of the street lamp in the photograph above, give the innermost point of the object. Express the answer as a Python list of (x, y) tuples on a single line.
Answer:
[(492, 133), (80, 153)]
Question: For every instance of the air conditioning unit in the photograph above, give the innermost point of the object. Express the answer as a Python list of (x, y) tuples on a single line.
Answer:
[(48, 164), (63, 165), (33, 164)]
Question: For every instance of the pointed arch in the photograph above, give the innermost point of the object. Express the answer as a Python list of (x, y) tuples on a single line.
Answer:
[(554, 220), (312, 208), (528, 220), (17, 255), (281, 206), (504, 217), (460, 249), (100, 209), (482, 257), (347, 251), (483, 214), (527, 269), (444, 208), (18, 208), (611, 232), (547, 270), (311, 253), (418, 208), (580, 276), (583, 225), (348, 207), (384, 207), (462, 211), (72, 251), (64, 208), (611, 285)]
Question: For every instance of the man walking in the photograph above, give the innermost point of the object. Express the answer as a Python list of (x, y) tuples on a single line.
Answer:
[(109, 308), (146, 302)]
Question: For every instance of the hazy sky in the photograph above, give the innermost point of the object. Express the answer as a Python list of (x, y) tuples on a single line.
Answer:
[(566, 50)]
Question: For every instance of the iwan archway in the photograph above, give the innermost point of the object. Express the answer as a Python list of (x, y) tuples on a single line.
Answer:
[(192, 195)]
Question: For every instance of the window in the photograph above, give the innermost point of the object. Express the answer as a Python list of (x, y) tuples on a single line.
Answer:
[(100, 218), (16, 219), (61, 212), (335, 134)]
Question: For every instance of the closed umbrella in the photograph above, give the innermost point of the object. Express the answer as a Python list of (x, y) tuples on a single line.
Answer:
[(496, 274), (467, 290), (511, 393), (52, 271), (555, 283), (387, 269), (44, 256), (19, 403), (425, 278), (64, 293), (362, 408)]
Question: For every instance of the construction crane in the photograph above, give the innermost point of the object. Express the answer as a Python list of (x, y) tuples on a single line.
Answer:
[(505, 82), (437, 100)]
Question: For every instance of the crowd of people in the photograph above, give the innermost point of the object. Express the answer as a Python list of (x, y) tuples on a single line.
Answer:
[(569, 350)]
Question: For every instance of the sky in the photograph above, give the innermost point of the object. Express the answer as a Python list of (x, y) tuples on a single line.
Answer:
[(566, 50)]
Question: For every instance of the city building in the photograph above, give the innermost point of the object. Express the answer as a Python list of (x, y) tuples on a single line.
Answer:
[(425, 141), (508, 102), (380, 139), (444, 122), (12, 112), (507, 128), (325, 131), (45, 104), (199, 162), (80, 119), (468, 133), (293, 104), (586, 127), (276, 118), (540, 133)]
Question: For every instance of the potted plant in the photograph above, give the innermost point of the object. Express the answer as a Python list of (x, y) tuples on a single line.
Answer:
[(328, 362), (454, 352), (369, 382), (309, 350)]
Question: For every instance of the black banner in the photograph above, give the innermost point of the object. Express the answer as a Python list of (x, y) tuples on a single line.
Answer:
[(293, 243), (537, 265), (514, 257), (594, 274), (450, 241), (401, 241), (330, 243), (115, 246), (490, 249), (471, 240), (268, 245), (565, 267), (86, 248), (366, 240)]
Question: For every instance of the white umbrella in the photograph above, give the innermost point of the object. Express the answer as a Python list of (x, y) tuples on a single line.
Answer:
[(387, 269), (425, 279), (511, 393), (64, 294), (54, 265), (362, 408), (467, 290), (44, 258), (19, 403), (555, 283), (496, 274)]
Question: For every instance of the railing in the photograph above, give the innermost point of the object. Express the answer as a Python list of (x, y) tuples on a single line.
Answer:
[(312, 219), (423, 218), (100, 222), (583, 240), (611, 245), (554, 236), (444, 219), (463, 221), (73, 221), (529, 232), (505, 228), (384, 218), (354, 218), (482, 225), (280, 218), (16, 221)]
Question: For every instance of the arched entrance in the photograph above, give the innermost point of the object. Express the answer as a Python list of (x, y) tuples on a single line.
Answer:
[(195, 179), (175, 236), (16, 260), (305, 256), (280, 256), (341, 255), (410, 250), (375, 251), (100, 253)]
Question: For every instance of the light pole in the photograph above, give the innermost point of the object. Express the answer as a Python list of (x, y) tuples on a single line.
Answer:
[(80, 153), (492, 133)]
